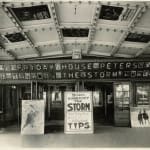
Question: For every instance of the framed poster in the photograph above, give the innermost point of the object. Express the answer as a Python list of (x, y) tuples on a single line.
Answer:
[(110, 98), (32, 117), (140, 116), (78, 113), (97, 99), (142, 94), (56, 98)]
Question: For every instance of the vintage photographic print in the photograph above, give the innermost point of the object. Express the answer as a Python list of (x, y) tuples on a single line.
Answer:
[(74, 74)]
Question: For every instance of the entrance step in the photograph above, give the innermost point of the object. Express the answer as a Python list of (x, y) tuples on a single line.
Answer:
[(52, 126), (103, 122), (54, 122)]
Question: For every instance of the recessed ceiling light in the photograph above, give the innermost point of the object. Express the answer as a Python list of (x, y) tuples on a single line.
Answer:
[(135, 37), (32, 13), (110, 12), (15, 37), (75, 32)]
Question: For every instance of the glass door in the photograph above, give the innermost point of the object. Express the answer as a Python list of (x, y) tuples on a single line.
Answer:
[(122, 97), (102, 102), (98, 104), (109, 103), (8, 104), (56, 100)]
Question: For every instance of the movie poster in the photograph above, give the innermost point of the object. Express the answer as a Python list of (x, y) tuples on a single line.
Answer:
[(96, 98), (140, 116), (32, 117), (78, 112)]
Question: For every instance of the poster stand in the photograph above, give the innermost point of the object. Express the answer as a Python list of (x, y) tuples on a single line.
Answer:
[(33, 118), (78, 113), (140, 116)]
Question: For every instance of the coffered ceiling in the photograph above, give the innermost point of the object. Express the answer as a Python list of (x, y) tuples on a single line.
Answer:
[(54, 29)]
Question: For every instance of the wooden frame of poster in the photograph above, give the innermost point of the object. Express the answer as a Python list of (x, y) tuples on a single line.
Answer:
[(78, 113)]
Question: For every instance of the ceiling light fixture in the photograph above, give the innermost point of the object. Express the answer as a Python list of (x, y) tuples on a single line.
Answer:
[(75, 9)]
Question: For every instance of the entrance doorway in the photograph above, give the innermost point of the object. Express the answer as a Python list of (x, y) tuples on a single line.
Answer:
[(8, 105), (103, 102), (55, 103)]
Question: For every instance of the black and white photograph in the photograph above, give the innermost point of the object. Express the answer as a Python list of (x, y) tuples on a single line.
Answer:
[(74, 74)]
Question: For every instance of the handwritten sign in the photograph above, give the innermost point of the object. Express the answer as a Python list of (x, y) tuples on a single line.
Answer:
[(78, 112)]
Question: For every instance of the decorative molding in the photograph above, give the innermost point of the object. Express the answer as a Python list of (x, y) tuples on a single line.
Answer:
[(131, 26), (18, 24), (52, 9), (10, 53), (141, 51), (92, 30)]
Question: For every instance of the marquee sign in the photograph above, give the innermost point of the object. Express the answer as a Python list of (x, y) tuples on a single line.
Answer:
[(78, 112), (67, 70)]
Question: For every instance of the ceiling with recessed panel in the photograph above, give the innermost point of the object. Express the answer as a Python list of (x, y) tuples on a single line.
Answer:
[(55, 29)]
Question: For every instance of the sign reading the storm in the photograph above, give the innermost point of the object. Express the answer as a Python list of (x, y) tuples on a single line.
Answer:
[(32, 117), (78, 112), (140, 116), (70, 69)]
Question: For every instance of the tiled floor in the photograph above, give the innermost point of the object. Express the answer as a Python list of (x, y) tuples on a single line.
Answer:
[(104, 136)]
